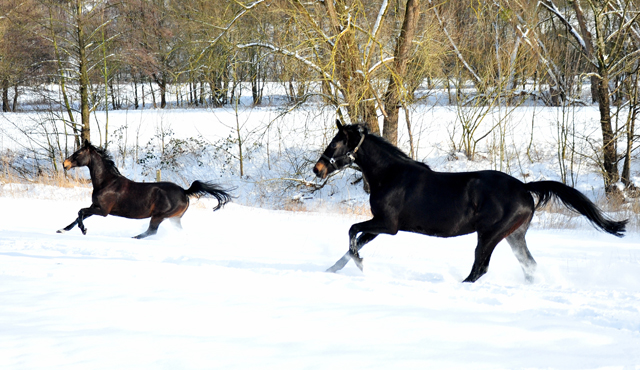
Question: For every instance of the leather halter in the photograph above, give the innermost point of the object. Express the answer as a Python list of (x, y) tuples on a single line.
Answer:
[(350, 155)]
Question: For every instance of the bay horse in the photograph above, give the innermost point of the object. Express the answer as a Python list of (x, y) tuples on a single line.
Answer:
[(114, 194), (406, 195)]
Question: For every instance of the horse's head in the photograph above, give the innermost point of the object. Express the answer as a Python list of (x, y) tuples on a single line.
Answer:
[(82, 157), (341, 151)]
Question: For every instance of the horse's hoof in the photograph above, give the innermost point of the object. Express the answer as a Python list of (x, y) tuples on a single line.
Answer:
[(529, 279), (332, 269), (61, 231), (84, 231), (359, 264), (357, 259)]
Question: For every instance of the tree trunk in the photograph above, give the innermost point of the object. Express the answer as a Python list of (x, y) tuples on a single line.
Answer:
[(135, 94), (15, 98), (609, 155), (162, 85), (393, 96), (84, 76), (5, 95)]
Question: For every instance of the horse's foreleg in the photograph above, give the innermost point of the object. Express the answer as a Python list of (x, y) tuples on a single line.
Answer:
[(362, 240), (369, 230), (78, 221), (71, 225), (85, 213)]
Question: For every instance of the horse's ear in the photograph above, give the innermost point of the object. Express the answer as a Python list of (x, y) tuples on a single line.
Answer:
[(339, 125), (86, 143)]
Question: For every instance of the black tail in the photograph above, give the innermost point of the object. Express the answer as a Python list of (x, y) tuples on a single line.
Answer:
[(576, 201), (202, 188)]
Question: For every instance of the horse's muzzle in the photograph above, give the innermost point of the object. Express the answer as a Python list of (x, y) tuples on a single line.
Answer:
[(67, 164), (321, 170)]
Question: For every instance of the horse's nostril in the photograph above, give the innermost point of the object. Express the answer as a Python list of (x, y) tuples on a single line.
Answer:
[(320, 169)]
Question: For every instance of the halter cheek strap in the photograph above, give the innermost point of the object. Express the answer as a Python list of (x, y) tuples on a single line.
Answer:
[(350, 155)]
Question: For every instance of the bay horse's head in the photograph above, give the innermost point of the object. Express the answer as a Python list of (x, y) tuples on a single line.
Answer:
[(342, 149), (82, 157)]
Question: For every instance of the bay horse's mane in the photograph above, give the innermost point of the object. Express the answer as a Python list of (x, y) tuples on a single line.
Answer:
[(107, 159)]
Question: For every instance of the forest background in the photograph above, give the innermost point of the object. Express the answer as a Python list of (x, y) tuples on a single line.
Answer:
[(366, 61)]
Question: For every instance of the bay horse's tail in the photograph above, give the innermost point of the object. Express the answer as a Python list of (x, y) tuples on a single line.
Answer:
[(203, 188), (576, 201)]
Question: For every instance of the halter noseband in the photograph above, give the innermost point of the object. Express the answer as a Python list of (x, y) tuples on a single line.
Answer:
[(350, 155)]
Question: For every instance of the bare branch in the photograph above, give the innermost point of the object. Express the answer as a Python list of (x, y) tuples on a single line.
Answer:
[(455, 47)]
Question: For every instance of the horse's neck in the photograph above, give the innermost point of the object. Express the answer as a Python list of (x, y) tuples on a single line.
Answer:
[(373, 161), (100, 175)]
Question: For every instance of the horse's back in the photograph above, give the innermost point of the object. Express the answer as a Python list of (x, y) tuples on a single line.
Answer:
[(450, 204)]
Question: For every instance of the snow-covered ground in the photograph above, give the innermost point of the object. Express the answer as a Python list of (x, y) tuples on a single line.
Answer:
[(245, 288)]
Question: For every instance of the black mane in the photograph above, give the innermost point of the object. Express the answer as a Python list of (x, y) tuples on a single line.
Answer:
[(386, 146), (391, 149), (106, 159)]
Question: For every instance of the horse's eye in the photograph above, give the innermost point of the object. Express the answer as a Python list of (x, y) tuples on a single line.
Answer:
[(334, 145)]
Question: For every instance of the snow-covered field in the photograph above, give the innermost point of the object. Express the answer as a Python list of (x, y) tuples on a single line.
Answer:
[(245, 288)]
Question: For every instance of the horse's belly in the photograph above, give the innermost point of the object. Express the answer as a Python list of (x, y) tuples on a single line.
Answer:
[(129, 214), (439, 232), (441, 225)]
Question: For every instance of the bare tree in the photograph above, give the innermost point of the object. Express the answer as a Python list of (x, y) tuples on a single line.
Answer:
[(613, 23), (23, 54), (351, 47), (74, 31)]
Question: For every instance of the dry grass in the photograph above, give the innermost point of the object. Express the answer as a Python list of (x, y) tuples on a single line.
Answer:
[(341, 208), (61, 180)]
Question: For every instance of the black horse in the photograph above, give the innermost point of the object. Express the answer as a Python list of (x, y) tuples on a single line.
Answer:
[(114, 194), (408, 196)]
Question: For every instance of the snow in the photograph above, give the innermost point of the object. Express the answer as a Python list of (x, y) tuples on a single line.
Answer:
[(245, 288)]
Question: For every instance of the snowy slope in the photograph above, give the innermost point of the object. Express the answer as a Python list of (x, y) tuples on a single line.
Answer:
[(245, 288)]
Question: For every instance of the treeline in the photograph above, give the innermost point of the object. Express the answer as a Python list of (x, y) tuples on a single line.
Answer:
[(366, 58)]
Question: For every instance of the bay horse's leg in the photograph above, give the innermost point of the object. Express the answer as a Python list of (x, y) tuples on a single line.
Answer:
[(153, 227), (363, 239), (519, 247), (83, 214), (176, 222), (71, 225)]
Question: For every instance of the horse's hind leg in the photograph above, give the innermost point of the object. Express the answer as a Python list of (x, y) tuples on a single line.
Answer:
[(519, 247), (486, 245), (176, 222), (488, 240), (153, 228)]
